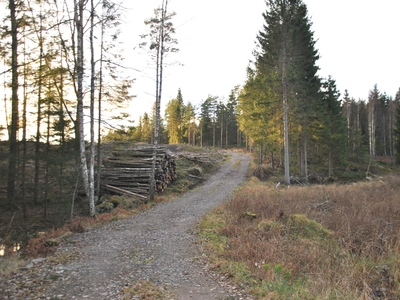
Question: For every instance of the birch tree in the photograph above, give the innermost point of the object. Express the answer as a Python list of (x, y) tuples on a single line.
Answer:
[(78, 20)]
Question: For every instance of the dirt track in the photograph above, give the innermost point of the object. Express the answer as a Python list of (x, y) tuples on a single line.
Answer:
[(156, 245)]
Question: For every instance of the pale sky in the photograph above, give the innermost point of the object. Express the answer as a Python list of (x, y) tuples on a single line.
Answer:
[(356, 39)]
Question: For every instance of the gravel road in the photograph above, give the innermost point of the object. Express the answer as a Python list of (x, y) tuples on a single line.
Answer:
[(156, 245)]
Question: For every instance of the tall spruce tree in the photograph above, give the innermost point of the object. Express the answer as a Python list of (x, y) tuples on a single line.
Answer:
[(305, 84), (285, 68), (207, 121), (231, 117), (174, 116), (333, 128)]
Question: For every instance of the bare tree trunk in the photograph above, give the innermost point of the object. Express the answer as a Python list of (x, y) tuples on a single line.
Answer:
[(159, 74), (99, 112), (188, 136), (24, 141), (82, 150), (46, 171), (62, 134), (92, 89), (213, 134), (201, 136), (222, 128), (330, 163), (305, 150), (384, 133), (272, 161), (226, 136), (13, 145), (285, 114), (38, 115)]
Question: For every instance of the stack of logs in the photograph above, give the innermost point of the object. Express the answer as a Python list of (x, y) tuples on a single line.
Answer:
[(128, 171)]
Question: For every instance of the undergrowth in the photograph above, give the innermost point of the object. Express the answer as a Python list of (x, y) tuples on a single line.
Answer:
[(315, 242)]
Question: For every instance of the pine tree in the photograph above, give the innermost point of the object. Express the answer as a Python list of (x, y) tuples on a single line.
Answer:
[(161, 42)]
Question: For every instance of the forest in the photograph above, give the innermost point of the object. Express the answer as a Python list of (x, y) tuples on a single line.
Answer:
[(63, 86)]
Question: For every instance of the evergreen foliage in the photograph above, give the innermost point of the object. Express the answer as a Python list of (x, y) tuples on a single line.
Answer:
[(285, 68), (333, 127)]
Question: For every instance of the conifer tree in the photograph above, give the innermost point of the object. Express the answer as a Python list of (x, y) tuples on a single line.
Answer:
[(207, 121), (189, 124), (174, 115), (285, 72), (231, 115), (334, 125)]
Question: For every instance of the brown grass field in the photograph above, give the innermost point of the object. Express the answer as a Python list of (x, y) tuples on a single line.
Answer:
[(313, 242)]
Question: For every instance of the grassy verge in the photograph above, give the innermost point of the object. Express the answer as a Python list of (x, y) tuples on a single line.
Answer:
[(316, 242)]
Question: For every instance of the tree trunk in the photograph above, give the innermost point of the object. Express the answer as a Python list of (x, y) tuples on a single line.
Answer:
[(213, 134), (46, 171), (222, 129), (82, 150), (92, 90), (201, 136), (226, 136), (99, 112), (159, 74), (13, 146), (24, 141), (330, 164), (272, 161), (62, 133), (38, 117), (285, 114)]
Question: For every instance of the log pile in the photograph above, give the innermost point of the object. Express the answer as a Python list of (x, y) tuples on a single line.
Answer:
[(128, 171)]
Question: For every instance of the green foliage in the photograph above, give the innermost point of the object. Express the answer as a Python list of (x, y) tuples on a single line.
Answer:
[(333, 125), (285, 68), (259, 111), (180, 120), (208, 118)]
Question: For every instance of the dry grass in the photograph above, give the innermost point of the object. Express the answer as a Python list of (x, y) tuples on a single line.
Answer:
[(47, 242), (318, 242), (147, 290)]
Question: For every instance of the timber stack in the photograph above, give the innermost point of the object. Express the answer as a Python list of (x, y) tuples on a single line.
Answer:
[(128, 171)]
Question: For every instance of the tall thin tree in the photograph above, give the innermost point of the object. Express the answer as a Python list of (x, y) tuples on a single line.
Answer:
[(13, 145), (161, 43)]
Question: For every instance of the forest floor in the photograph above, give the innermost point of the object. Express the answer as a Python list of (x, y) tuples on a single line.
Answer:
[(153, 255)]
